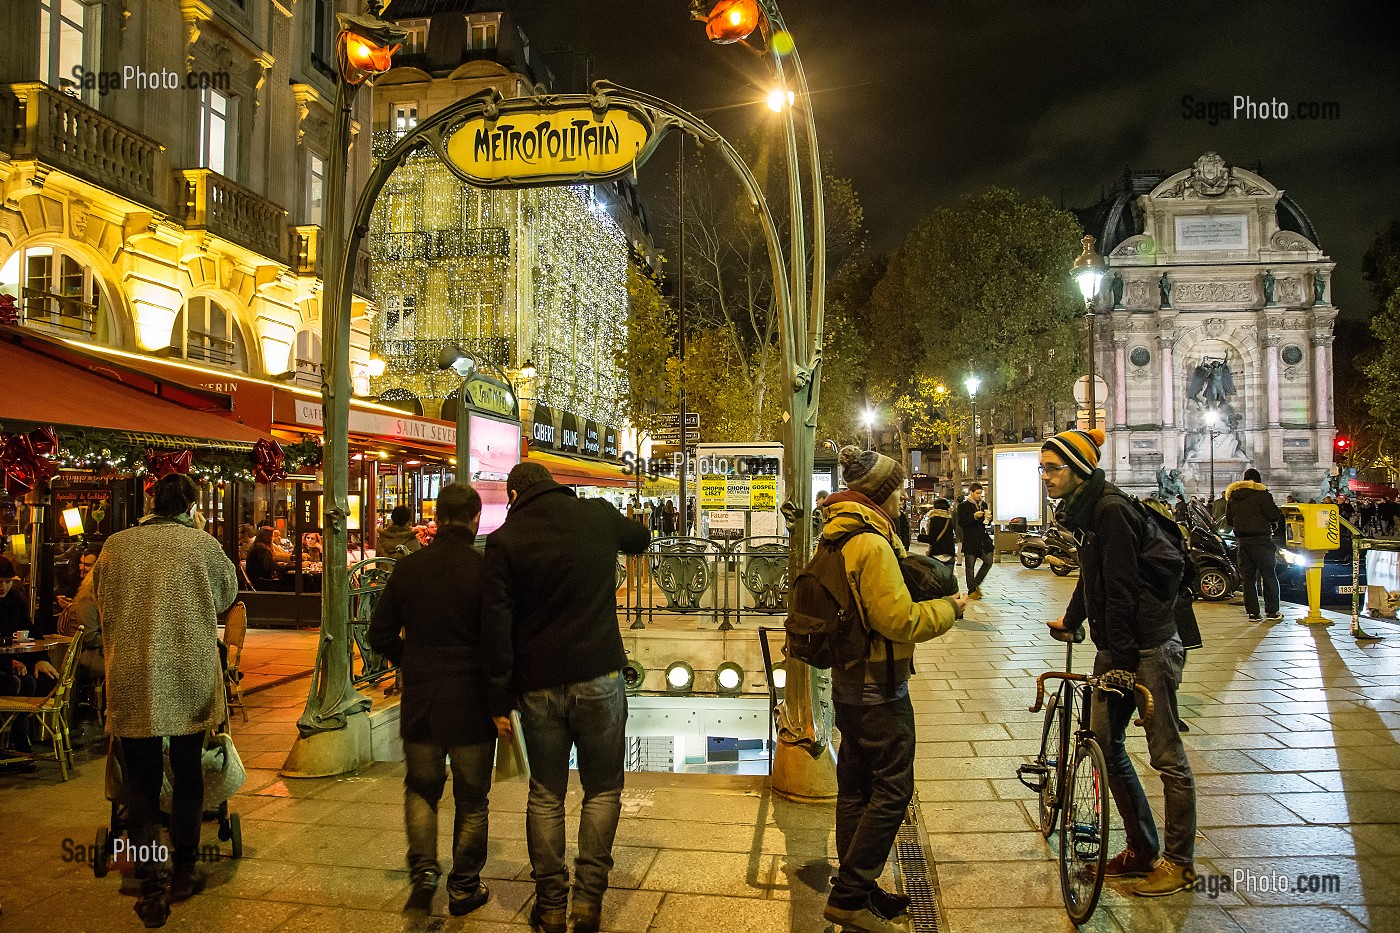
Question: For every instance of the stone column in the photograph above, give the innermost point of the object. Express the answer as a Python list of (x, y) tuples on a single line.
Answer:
[(1271, 354), (1120, 383), (1169, 442), (1322, 380)]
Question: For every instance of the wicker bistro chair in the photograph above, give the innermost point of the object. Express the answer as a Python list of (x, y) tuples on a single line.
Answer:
[(235, 633), (51, 711)]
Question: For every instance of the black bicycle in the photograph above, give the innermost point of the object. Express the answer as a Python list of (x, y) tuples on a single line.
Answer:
[(1071, 778)]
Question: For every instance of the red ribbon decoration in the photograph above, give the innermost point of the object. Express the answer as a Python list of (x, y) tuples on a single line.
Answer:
[(24, 459), (267, 461), (159, 466), (9, 311)]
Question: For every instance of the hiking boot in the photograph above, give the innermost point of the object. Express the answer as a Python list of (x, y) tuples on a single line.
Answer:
[(1166, 878), (862, 920), (586, 918), (186, 882), (460, 906), (1274, 617), (554, 920), (153, 904), (974, 594), (1128, 864), (893, 906)]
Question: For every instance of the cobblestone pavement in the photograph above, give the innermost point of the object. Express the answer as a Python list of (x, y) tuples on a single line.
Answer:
[(1293, 740)]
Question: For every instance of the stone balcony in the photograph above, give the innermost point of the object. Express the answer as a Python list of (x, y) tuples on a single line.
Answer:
[(209, 201), (62, 133), (306, 259)]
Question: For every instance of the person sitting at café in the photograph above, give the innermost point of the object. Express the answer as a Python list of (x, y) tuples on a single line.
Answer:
[(397, 538), (261, 562), (280, 552), (28, 674), (247, 534)]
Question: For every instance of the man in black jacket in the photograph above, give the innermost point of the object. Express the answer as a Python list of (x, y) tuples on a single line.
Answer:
[(972, 525), (1252, 512), (429, 622), (1137, 641), (557, 656)]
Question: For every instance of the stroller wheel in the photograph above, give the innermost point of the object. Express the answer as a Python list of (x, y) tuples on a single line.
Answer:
[(236, 834), (103, 853)]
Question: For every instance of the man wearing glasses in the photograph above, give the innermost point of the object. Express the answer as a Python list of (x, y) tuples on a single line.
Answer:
[(1137, 641)]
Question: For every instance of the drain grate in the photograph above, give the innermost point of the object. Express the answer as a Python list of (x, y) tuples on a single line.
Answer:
[(918, 876)]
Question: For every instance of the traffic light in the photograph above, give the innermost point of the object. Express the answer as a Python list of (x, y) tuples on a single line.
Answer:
[(1341, 447), (732, 21)]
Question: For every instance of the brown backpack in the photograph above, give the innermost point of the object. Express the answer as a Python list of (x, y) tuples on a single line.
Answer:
[(824, 627)]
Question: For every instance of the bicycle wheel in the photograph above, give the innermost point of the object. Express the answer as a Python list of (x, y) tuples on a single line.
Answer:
[(1084, 831), (1052, 746)]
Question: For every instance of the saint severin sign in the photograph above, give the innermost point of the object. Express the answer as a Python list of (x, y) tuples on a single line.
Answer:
[(533, 143)]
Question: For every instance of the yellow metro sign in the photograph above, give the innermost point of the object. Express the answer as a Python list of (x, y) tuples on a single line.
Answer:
[(548, 145)]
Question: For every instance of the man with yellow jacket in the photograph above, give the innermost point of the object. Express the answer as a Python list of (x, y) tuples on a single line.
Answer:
[(875, 762)]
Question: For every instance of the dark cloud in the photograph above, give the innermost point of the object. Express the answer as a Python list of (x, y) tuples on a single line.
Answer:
[(920, 102)]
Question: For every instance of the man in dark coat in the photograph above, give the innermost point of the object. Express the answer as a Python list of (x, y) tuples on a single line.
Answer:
[(972, 526), (1136, 636), (1252, 512), (551, 620), (429, 622)]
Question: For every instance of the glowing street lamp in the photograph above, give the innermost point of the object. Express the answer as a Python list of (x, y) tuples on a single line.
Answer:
[(778, 100), (867, 418), (1212, 422), (731, 21), (1088, 271), (973, 383)]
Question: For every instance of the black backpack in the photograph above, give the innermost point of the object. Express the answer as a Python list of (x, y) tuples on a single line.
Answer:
[(824, 628), (1162, 553)]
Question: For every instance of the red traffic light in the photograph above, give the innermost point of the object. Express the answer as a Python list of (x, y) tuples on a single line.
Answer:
[(1343, 443), (732, 21)]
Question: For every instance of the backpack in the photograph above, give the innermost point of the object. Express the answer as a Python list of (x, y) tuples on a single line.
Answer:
[(824, 628), (1163, 553)]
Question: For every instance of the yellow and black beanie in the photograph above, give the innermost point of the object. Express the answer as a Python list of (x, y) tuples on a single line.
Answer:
[(1078, 449)]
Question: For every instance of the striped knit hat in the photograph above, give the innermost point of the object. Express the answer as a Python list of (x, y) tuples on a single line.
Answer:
[(870, 473), (1078, 449)]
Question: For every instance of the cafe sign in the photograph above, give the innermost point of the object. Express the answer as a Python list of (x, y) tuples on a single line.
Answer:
[(546, 144)]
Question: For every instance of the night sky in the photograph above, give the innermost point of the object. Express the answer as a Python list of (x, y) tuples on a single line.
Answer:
[(919, 102)]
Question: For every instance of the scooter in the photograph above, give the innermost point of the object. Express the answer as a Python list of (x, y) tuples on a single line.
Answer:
[(1061, 553), (1217, 578), (1031, 550)]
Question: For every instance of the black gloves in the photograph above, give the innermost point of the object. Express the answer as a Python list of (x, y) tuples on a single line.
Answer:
[(1119, 681)]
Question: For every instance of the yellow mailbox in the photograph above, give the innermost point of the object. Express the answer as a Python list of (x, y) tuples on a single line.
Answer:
[(1313, 530)]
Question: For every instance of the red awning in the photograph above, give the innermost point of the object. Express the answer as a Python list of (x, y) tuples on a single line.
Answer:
[(42, 389), (1371, 490)]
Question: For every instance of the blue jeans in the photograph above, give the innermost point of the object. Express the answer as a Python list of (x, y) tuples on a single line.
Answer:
[(874, 784), (1159, 670), (471, 783), (591, 715)]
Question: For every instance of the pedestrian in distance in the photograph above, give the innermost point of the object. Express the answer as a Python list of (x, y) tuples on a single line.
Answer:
[(976, 544), (160, 587), (1132, 624), (1250, 509), (939, 532), (428, 621), (557, 656), (875, 768)]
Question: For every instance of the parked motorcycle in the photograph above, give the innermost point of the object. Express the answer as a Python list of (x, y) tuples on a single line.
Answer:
[(1054, 547)]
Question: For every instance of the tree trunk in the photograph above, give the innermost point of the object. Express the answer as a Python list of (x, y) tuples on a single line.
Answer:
[(953, 466)]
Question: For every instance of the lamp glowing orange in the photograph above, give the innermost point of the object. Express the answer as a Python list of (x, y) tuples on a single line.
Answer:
[(363, 57), (732, 21)]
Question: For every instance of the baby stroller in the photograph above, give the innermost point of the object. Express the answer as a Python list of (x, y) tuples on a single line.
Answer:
[(223, 776)]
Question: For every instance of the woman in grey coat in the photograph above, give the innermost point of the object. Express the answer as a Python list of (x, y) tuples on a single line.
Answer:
[(160, 587)]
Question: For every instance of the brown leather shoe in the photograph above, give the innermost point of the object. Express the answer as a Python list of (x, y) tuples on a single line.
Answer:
[(1128, 864), (549, 921), (1166, 878)]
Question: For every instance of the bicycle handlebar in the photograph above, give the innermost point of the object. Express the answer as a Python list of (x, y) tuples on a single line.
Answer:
[(1093, 682)]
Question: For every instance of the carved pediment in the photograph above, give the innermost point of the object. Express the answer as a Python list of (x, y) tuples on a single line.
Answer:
[(1139, 245), (1210, 178), (1289, 242)]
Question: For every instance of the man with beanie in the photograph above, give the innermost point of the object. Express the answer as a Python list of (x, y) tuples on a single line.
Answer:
[(1252, 512), (1136, 637), (875, 765), (555, 653), (972, 525)]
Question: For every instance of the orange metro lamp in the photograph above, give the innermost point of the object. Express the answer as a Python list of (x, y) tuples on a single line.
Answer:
[(732, 21)]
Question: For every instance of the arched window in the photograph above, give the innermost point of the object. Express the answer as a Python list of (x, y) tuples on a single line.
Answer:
[(306, 359), (205, 332), (58, 293)]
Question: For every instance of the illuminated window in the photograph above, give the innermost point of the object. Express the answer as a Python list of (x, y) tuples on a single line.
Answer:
[(315, 187), (205, 332), (65, 35), (484, 30), (405, 118), (57, 292), (416, 42), (214, 119)]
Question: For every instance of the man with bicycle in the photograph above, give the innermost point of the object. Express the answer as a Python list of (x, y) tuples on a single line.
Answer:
[(1137, 641)]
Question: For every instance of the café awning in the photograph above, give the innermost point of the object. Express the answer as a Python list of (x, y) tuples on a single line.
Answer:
[(576, 471), (43, 389)]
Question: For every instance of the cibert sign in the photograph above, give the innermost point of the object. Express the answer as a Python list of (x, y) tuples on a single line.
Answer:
[(545, 143)]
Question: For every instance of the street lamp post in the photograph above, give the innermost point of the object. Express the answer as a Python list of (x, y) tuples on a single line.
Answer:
[(1212, 422), (1088, 272), (867, 418), (804, 766), (973, 383), (333, 732)]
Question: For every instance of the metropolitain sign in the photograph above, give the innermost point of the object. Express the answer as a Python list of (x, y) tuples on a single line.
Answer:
[(542, 144)]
